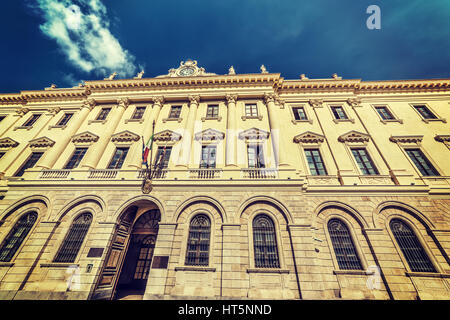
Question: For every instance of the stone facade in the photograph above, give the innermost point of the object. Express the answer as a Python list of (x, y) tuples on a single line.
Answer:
[(231, 193)]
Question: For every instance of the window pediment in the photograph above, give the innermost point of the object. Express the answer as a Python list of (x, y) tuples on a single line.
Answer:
[(209, 135), (309, 137), (42, 142), (254, 134), (442, 138), (406, 139), (354, 136), (125, 136), (8, 143), (167, 136), (85, 137)]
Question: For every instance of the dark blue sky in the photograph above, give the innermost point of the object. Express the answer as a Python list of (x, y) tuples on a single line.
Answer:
[(317, 38)]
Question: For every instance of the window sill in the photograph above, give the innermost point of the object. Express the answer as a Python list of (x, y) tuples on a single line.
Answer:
[(59, 265), (267, 270), (23, 127), (427, 274), (141, 120), (97, 121), (6, 264), (251, 117), (433, 120), (343, 120), (354, 272), (57, 127), (300, 121), (194, 268), (172, 119), (211, 118), (391, 120)]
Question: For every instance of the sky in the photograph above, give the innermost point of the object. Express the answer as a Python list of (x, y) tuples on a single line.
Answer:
[(64, 42)]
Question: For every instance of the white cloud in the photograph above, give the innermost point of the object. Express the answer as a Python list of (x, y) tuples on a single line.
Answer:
[(81, 29)]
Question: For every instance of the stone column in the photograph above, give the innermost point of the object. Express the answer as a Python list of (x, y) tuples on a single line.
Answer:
[(95, 152), (186, 146), (278, 141), (49, 158), (136, 149), (231, 155), (157, 277)]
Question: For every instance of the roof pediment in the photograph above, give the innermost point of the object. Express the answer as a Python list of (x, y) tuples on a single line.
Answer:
[(187, 68), (8, 143), (309, 137), (125, 136), (42, 142), (354, 136), (166, 136), (85, 137), (254, 134), (209, 135)]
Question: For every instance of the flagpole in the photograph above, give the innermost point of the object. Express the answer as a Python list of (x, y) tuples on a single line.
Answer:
[(151, 150)]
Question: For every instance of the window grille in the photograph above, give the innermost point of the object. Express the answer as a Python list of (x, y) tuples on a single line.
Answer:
[(411, 247), (422, 163), (74, 239), (343, 246), (265, 243), (16, 236), (315, 162), (198, 241)]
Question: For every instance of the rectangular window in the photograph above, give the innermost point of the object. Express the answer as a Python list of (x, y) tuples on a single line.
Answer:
[(299, 113), (422, 163), (364, 161), (425, 112), (255, 156), (315, 162), (31, 120), (384, 113), (138, 113), (163, 157), (103, 114), (339, 113), (2, 154), (251, 110), (175, 112), (213, 111), (77, 156), (208, 157), (66, 117), (118, 158), (31, 161)]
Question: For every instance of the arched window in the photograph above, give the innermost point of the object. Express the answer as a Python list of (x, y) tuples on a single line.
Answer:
[(16, 236), (265, 243), (74, 239), (198, 242), (343, 246), (411, 247)]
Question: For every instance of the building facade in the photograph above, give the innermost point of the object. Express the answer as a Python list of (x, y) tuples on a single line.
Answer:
[(261, 188)]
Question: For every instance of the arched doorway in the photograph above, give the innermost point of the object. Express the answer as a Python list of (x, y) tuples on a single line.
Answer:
[(127, 265)]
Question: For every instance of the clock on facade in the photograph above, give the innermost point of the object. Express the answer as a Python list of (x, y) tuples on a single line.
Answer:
[(186, 71)]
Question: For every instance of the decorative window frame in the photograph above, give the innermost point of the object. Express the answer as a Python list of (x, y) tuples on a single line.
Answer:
[(356, 242), (445, 139), (302, 105), (396, 118), (124, 139), (281, 259), (209, 136), (344, 107), (256, 136), (182, 266), (141, 120), (419, 237), (258, 110), (415, 142), (438, 118), (29, 127), (84, 139), (311, 140), (7, 144), (166, 137), (179, 119), (218, 118)]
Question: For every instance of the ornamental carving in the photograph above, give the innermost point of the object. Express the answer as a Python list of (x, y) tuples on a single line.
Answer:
[(406, 139), (270, 97), (89, 103), (309, 137), (8, 143), (42, 142), (167, 136), (158, 100), (354, 102), (194, 99), (22, 111), (354, 136), (125, 136), (254, 134), (123, 102), (209, 135), (442, 138), (316, 103), (54, 111), (231, 98), (187, 68), (85, 137)]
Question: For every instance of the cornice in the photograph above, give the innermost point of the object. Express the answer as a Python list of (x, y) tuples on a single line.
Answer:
[(354, 136), (309, 137), (209, 135), (406, 139), (42, 142)]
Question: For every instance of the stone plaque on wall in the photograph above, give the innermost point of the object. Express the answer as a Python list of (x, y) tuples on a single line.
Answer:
[(160, 262), (95, 252)]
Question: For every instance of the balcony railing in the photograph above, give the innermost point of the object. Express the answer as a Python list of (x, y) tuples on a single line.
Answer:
[(205, 173), (102, 173), (156, 173), (55, 174), (259, 173)]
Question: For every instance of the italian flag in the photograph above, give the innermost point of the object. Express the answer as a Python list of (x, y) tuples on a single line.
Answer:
[(146, 149)]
